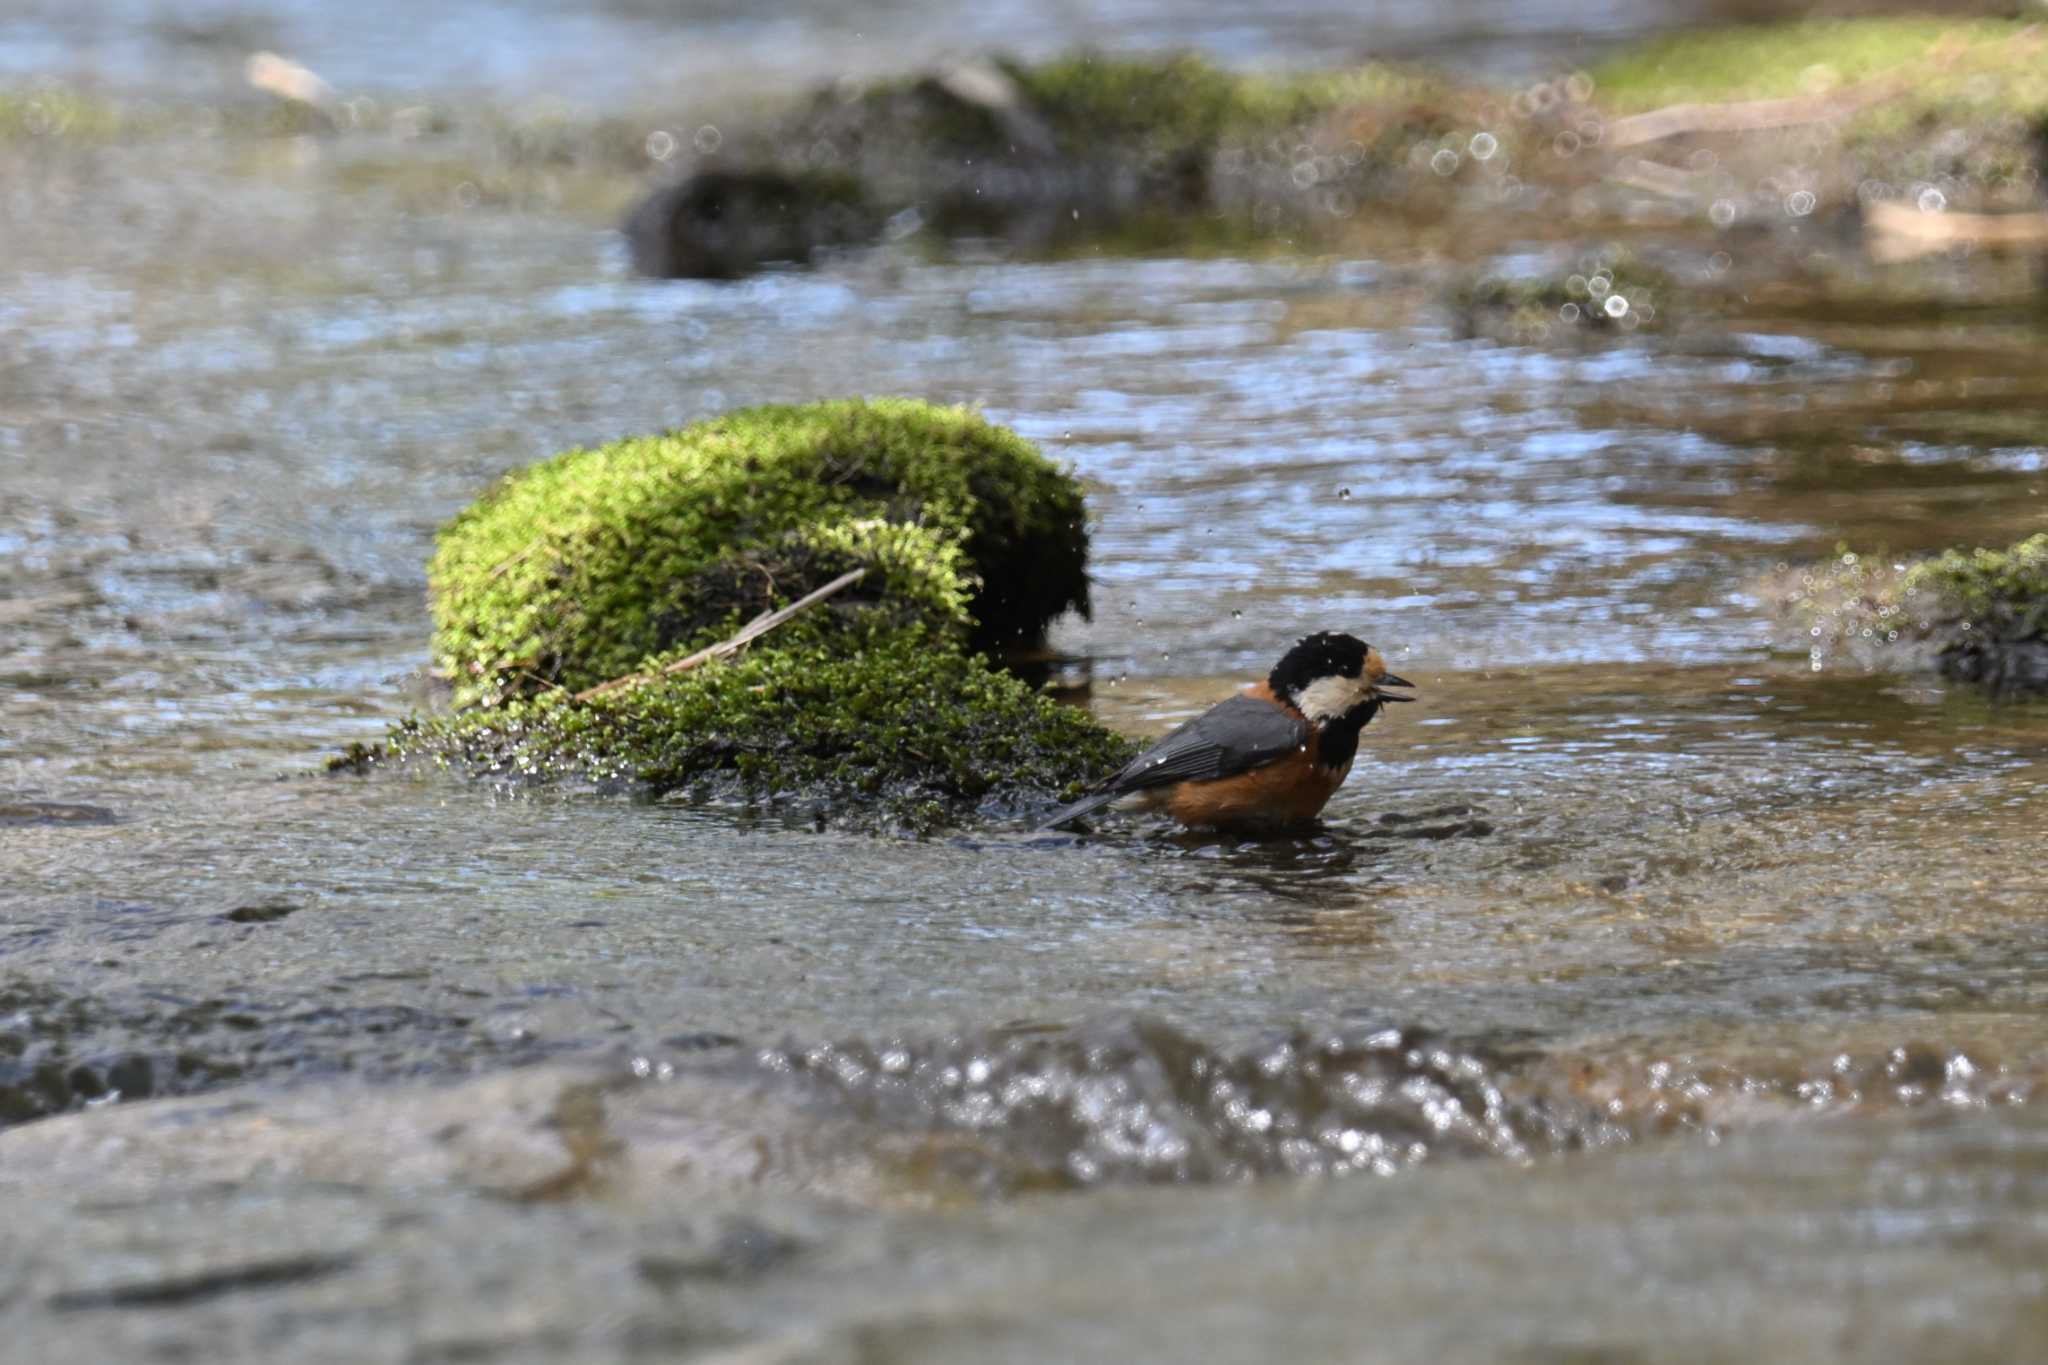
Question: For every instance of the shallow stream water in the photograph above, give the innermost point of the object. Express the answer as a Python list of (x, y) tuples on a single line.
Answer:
[(1649, 993)]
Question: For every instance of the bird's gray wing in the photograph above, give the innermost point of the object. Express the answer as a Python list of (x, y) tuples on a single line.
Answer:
[(1229, 738)]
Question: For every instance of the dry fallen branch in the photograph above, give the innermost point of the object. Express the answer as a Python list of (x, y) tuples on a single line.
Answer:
[(1745, 116), (748, 633), (1901, 232)]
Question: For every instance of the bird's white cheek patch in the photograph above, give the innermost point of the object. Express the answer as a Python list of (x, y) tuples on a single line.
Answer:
[(1328, 698)]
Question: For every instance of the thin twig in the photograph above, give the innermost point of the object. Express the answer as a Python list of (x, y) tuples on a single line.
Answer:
[(748, 633)]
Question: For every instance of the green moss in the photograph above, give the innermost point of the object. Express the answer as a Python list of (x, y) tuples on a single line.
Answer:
[(1899, 104), (915, 577), (57, 111), (877, 726), (1083, 98), (1159, 123), (1983, 62), (82, 117), (585, 567), (1184, 101), (2003, 593)]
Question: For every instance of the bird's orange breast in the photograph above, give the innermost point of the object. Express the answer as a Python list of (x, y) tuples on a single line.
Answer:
[(1288, 791), (1291, 790)]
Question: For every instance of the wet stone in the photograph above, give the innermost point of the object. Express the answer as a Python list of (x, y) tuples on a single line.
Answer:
[(53, 813), (1441, 822), (739, 1250), (61, 1052), (719, 224), (262, 912)]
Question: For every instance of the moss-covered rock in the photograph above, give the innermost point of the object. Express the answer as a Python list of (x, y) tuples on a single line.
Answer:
[(870, 707), (1602, 293), (1974, 615), (601, 562)]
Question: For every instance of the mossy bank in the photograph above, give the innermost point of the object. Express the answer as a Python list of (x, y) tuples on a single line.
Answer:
[(1780, 127), (875, 706)]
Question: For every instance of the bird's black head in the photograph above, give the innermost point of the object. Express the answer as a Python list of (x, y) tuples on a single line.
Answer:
[(1329, 675), (1325, 654)]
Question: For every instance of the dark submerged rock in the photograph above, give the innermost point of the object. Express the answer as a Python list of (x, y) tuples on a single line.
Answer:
[(54, 813), (719, 224)]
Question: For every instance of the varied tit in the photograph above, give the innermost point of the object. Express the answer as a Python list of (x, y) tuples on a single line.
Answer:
[(1269, 757)]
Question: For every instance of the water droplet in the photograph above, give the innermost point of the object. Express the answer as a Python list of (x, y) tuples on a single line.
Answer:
[(1723, 212), (1445, 162), (1343, 495), (707, 139), (1237, 616), (1483, 146), (661, 144), (1799, 203), (1932, 200), (1615, 306)]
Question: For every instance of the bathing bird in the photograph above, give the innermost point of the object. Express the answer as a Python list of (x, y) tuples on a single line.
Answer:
[(1270, 756)]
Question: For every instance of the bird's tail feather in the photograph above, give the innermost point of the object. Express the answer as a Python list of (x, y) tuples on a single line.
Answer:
[(1078, 809)]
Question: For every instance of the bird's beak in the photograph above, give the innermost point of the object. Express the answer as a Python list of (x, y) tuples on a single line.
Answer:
[(1390, 680)]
